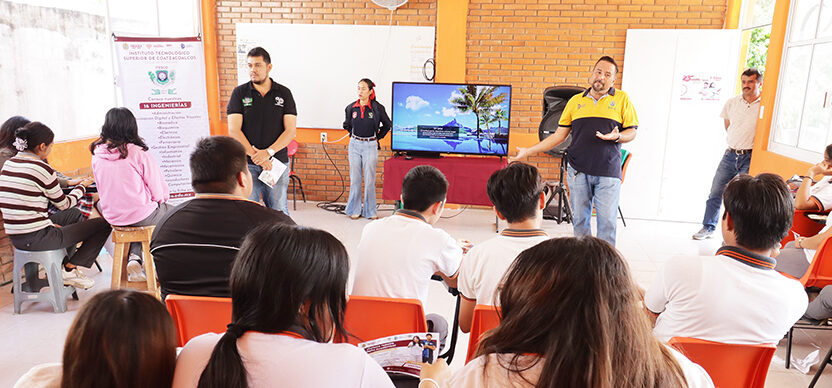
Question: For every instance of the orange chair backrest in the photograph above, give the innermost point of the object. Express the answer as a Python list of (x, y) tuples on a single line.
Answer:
[(369, 318), (485, 318), (729, 365), (196, 315), (625, 164), (803, 225), (292, 147), (819, 273)]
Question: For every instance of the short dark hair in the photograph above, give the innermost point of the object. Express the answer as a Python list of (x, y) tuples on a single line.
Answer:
[(753, 71), (515, 191), (260, 52), (761, 207), (120, 338), (609, 59), (828, 152), (35, 134), (422, 187), (215, 163), (8, 130)]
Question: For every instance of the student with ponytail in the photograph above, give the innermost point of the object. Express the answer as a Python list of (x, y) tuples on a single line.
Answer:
[(288, 296), (27, 186), (367, 122)]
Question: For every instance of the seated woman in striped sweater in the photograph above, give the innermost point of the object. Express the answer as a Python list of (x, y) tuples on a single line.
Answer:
[(27, 186)]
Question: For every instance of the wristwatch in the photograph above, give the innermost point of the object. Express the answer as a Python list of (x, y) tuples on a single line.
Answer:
[(270, 151)]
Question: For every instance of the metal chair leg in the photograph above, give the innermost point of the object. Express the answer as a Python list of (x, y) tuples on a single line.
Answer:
[(623, 221), (789, 338), (820, 368)]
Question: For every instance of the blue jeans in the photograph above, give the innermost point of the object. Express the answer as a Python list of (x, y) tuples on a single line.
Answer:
[(730, 166), (273, 197), (363, 156), (600, 191)]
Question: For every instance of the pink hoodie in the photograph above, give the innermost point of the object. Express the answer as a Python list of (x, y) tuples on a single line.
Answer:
[(130, 188)]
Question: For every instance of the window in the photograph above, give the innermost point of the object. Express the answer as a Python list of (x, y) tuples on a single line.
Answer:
[(803, 108), (755, 23)]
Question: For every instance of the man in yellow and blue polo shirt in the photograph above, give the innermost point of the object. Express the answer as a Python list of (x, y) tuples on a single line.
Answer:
[(599, 120)]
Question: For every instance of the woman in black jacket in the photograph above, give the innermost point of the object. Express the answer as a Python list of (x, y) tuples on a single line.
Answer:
[(367, 122)]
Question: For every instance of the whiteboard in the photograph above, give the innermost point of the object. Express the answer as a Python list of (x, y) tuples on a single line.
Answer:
[(322, 64), (681, 137)]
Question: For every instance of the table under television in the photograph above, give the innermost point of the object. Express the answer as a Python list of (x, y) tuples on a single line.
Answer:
[(467, 176)]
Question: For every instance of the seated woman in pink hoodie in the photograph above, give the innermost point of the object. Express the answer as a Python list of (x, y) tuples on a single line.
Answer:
[(130, 185)]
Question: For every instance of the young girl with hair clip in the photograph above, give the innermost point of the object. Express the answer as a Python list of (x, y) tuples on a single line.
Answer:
[(288, 296), (27, 186), (367, 122), (571, 317), (120, 338), (130, 185)]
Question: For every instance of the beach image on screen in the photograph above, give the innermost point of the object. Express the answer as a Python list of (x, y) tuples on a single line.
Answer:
[(451, 118)]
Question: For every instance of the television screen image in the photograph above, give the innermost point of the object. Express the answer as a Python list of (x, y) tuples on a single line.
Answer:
[(451, 118)]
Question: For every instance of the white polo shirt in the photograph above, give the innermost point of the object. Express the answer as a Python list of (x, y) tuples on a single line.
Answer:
[(743, 118), (487, 262), (734, 297), (496, 375), (821, 193), (397, 255), (286, 361)]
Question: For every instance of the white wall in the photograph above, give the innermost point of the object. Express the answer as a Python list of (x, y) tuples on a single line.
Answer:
[(681, 137)]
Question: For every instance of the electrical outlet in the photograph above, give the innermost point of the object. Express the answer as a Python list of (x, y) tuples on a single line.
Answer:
[(323, 137)]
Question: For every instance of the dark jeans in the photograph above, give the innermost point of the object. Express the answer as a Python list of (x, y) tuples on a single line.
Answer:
[(730, 166), (92, 234)]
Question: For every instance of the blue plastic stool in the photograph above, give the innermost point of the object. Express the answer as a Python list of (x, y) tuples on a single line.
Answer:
[(52, 261)]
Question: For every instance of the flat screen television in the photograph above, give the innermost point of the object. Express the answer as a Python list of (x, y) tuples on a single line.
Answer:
[(434, 118)]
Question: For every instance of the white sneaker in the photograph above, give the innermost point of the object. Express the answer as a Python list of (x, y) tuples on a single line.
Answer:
[(77, 279), (135, 273)]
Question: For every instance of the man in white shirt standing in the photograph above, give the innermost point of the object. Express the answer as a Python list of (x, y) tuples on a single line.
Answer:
[(397, 255), (740, 115), (735, 296), (517, 194)]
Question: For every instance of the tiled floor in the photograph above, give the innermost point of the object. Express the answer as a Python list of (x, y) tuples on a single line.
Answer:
[(37, 335)]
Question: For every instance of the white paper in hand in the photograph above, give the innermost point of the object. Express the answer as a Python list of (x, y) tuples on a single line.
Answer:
[(270, 177)]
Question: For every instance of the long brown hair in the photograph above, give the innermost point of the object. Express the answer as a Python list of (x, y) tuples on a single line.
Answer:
[(572, 302), (121, 339)]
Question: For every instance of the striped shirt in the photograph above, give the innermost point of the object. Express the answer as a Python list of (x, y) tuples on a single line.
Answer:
[(27, 186)]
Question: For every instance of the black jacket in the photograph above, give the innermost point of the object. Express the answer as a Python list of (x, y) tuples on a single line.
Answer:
[(362, 123)]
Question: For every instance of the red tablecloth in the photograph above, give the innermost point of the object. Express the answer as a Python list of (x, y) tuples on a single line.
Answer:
[(467, 177)]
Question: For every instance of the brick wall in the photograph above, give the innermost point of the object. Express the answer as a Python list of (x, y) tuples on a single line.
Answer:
[(531, 44)]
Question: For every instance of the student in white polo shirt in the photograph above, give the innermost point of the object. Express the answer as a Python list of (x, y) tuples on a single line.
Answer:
[(735, 296), (795, 257), (517, 194), (397, 255)]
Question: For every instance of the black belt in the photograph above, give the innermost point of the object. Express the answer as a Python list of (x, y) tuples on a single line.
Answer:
[(738, 152), (364, 138)]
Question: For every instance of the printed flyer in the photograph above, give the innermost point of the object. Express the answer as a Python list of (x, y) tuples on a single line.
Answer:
[(404, 353)]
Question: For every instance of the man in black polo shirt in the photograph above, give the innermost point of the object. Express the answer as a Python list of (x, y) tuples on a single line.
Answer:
[(195, 244), (262, 116)]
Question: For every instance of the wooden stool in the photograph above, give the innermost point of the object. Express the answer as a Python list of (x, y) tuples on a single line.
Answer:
[(122, 237)]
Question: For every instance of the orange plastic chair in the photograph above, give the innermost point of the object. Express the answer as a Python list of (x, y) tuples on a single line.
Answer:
[(485, 318), (196, 315), (292, 149), (819, 273), (803, 225), (729, 365), (368, 318)]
